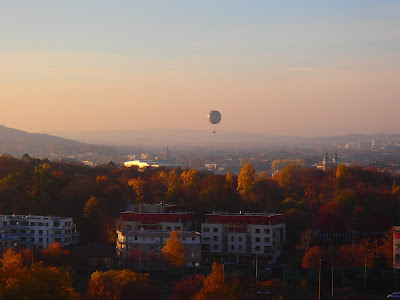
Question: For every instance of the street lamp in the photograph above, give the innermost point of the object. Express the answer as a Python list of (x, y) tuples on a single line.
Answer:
[(365, 271)]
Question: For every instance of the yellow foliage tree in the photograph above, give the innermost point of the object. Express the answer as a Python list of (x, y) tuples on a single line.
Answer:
[(246, 181), (174, 250), (138, 186)]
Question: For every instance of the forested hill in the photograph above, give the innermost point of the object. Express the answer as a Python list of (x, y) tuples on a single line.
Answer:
[(18, 142)]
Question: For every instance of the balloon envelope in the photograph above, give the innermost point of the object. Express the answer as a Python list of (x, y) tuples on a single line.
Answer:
[(214, 117)]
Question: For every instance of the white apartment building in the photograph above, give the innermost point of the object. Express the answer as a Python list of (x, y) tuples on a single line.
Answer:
[(239, 237), (146, 245), (143, 233), (36, 232)]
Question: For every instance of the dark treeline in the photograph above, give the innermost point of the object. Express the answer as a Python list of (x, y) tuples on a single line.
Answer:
[(334, 201)]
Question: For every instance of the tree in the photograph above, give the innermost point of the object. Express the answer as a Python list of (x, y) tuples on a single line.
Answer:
[(54, 254), (189, 178), (138, 184), (228, 180), (37, 282), (306, 238), (341, 176), (313, 256), (174, 250), (214, 286), (246, 181), (187, 288), (121, 284)]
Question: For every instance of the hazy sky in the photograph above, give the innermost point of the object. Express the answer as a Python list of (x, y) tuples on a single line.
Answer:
[(280, 67)]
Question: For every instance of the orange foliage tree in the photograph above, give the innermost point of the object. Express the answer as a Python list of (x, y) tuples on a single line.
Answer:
[(214, 286), (122, 284), (174, 250), (187, 288)]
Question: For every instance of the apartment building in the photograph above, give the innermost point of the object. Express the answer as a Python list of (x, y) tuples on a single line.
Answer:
[(142, 233), (159, 217), (36, 232), (242, 237), (146, 245)]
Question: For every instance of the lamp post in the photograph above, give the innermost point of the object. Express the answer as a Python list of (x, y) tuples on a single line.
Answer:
[(365, 271), (319, 281), (332, 279)]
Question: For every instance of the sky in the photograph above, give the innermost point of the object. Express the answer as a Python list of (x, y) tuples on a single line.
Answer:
[(306, 68)]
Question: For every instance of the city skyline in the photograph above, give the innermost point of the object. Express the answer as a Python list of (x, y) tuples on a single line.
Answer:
[(309, 69)]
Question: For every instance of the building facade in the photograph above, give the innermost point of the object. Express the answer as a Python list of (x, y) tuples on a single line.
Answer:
[(242, 237), (36, 232), (145, 245), (141, 234)]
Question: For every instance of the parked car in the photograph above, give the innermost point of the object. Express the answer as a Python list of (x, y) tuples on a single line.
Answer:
[(394, 295)]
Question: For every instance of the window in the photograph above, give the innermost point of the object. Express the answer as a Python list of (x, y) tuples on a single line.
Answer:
[(266, 240), (232, 238), (168, 228), (240, 238), (40, 239), (257, 230), (215, 229), (193, 238), (206, 238), (232, 247), (206, 229), (257, 248), (177, 228), (215, 247), (266, 231), (240, 247), (135, 238), (215, 238), (257, 239), (40, 231), (184, 239)]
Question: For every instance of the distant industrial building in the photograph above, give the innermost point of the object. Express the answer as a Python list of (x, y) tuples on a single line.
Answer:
[(157, 163), (242, 237), (36, 232)]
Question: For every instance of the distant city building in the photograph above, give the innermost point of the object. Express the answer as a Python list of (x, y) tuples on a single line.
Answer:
[(327, 163), (143, 233), (36, 232), (239, 237)]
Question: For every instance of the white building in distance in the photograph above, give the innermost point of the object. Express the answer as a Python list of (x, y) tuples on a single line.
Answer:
[(36, 232)]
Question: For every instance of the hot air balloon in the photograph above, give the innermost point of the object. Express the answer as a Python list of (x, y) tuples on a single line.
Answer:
[(214, 117)]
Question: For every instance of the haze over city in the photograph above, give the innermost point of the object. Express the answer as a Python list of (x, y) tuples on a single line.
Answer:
[(287, 68)]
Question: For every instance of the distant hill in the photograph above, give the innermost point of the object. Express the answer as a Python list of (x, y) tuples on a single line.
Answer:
[(202, 138), (18, 142)]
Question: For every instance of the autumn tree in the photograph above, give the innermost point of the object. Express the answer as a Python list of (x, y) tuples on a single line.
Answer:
[(138, 185), (174, 250), (173, 185), (214, 286), (120, 285), (36, 282), (228, 180), (341, 176), (187, 288), (246, 181), (306, 237), (313, 256), (54, 254)]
